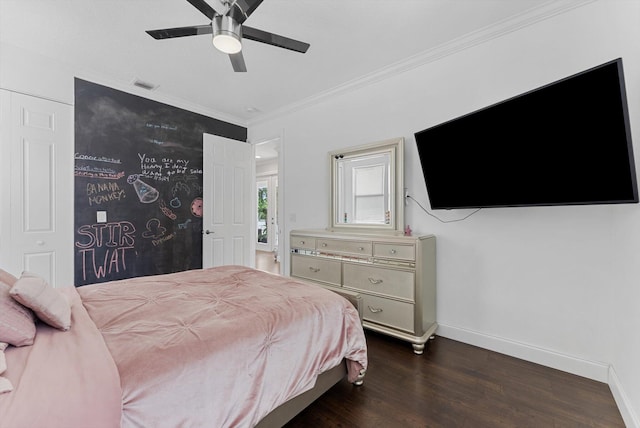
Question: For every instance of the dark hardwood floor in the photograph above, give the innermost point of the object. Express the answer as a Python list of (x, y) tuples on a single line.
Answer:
[(457, 385)]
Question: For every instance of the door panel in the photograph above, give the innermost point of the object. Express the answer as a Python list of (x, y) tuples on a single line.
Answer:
[(217, 252), (217, 189), (239, 184), (228, 172), (38, 175), (239, 250)]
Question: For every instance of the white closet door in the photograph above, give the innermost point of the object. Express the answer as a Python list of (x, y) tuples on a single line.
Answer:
[(37, 229)]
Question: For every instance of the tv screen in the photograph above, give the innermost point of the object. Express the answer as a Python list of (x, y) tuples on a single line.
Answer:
[(566, 143)]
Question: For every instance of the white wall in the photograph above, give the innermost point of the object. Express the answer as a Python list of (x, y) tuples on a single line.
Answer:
[(268, 167), (555, 285)]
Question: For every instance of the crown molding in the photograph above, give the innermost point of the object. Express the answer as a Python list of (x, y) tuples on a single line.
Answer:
[(544, 11)]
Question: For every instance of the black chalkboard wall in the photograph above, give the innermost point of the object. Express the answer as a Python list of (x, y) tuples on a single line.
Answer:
[(138, 184)]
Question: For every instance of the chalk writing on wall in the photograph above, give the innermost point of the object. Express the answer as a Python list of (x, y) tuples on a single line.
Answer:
[(139, 161), (99, 193), (103, 248)]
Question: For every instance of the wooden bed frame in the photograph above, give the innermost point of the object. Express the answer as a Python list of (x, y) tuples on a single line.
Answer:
[(287, 411)]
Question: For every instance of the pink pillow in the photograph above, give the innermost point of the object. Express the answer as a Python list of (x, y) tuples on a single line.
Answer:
[(7, 278), (49, 305), (5, 385), (17, 323), (3, 361)]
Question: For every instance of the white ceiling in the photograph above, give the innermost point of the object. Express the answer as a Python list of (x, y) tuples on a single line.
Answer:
[(350, 40)]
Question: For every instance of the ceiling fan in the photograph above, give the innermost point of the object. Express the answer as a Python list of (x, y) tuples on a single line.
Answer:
[(227, 17)]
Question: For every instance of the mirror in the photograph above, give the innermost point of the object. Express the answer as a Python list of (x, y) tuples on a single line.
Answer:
[(367, 187)]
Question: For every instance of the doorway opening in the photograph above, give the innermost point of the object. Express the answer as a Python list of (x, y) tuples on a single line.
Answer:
[(267, 215), (267, 230)]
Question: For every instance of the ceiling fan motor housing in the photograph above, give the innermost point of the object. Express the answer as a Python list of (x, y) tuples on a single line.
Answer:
[(227, 34)]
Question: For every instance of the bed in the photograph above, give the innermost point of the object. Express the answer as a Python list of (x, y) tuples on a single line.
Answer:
[(222, 347)]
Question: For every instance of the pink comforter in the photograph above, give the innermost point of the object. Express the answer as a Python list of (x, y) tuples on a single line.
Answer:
[(220, 347), (66, 379)]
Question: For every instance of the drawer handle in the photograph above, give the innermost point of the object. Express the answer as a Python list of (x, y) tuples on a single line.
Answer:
[(312, 269), (375, 310), (324, 244), (375, 281), (301, 242), (360, 248), (392, 251)]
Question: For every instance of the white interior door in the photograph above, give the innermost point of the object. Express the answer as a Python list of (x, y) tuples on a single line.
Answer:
[(228, 208), (37, 142)]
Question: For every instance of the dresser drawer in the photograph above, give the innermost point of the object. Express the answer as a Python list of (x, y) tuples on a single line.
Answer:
[(362, 248), (316, 269), (303, 242), (394, 251), (391, 313), (391, 282)]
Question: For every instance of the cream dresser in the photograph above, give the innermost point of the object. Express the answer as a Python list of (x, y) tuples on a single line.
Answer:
[(394, 275)]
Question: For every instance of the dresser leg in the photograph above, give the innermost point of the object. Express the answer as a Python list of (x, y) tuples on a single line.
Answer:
[(418, 348)]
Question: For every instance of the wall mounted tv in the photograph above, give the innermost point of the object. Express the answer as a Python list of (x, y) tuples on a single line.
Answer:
[(566, 143)]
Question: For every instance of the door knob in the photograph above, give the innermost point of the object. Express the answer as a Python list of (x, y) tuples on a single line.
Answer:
[(206, 232)]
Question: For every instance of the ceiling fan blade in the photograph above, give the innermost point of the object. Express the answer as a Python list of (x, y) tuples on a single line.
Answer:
[(169, 33), (256, 35), (242, 9), (203, 7), (237, 61)]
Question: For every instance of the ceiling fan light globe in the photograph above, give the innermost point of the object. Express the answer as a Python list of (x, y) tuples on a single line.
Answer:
[(227, 43)]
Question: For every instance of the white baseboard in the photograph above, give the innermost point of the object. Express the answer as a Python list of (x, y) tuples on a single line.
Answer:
[(589, 369), (626, 410)]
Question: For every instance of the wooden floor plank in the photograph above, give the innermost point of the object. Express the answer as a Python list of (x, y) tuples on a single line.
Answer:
[(265, 260), (458, 385)]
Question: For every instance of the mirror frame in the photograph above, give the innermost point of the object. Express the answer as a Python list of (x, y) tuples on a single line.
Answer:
[(395, 147)]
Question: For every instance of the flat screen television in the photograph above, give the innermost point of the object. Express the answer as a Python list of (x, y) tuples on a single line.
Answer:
[(566, 143)]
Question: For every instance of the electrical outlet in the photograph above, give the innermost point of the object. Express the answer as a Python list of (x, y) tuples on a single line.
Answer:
[(101, 216)]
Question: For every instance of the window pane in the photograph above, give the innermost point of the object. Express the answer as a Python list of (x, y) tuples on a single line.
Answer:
[(369, 209), (369, 180)]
